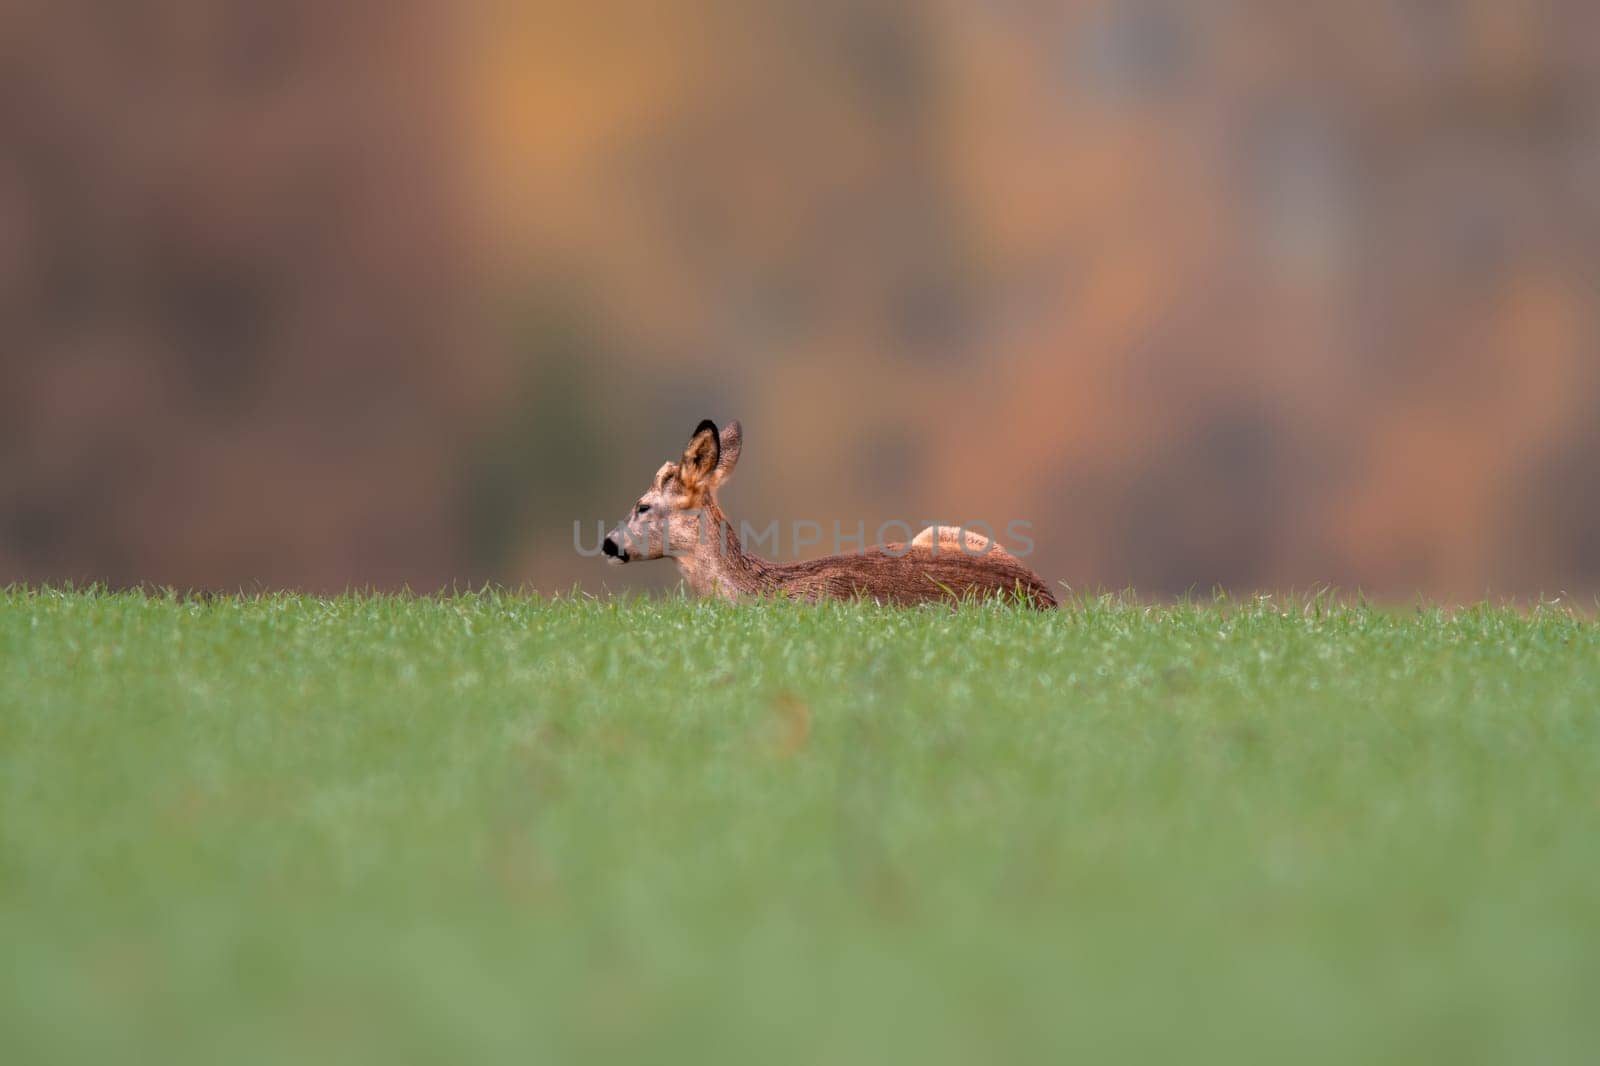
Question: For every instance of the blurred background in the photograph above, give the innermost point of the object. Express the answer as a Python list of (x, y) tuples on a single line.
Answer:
[(320, 295)]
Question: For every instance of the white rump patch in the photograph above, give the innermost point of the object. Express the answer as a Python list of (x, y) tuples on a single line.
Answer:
[(951, 538)]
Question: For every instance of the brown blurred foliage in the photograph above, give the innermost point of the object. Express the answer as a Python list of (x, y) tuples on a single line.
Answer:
[(1212, 293)]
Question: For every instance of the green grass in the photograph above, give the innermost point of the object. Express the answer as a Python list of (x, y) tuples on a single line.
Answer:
[(393, 829)]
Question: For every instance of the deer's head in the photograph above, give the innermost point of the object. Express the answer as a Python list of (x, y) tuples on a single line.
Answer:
[(668, 517)]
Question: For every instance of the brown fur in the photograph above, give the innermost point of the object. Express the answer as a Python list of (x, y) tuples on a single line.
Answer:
[(895, 573), (938, 565)]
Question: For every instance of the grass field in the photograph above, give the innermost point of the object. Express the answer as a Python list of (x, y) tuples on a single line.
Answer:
[(394, 829)]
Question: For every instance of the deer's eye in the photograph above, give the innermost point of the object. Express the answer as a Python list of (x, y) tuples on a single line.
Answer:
[(643, 508)]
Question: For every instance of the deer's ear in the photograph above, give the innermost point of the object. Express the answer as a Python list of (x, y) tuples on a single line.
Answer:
[(700, 458), (729, 440)]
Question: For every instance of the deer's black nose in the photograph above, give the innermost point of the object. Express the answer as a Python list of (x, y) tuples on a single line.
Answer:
[(613, 550)]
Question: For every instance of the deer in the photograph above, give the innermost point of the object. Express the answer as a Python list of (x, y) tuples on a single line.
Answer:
[(679, 517)]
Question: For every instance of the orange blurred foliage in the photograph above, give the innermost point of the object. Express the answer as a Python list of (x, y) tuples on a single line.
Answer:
[(1213, 295)]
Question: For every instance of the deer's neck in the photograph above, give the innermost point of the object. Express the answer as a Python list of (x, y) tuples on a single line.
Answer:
[(719, 565)]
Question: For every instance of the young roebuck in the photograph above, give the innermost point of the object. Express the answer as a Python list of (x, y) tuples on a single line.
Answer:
[(679, 516)]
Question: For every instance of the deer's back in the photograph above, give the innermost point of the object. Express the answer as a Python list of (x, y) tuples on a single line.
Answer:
[(916, 574)]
